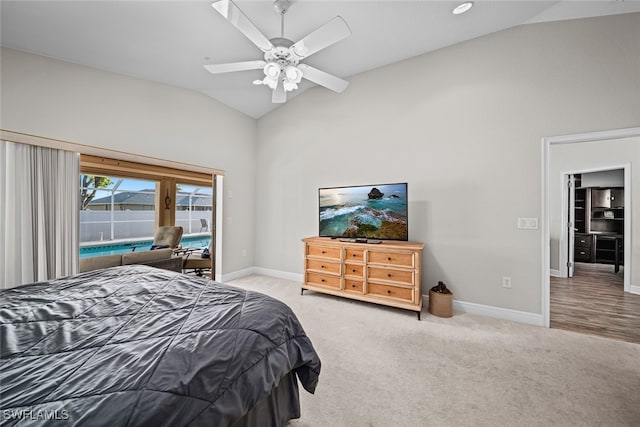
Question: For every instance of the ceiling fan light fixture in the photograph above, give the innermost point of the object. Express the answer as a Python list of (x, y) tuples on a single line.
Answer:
[(462, 8), (293, 74), (289, 85), (272, 70), (268, 81)]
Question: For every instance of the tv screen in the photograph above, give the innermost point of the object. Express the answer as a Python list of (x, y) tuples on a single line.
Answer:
[(364, 211)]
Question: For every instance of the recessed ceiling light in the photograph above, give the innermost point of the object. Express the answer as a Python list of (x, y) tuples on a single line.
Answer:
[(462, 8)]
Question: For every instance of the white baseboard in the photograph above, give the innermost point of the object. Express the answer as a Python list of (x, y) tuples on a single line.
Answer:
[(459, 306), (238, 274), (498, 312), (264, 272), (554, 273), (296, 277), (634, 289)]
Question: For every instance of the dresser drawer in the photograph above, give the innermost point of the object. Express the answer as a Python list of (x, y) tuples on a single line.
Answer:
[(391, 291), (583, 241), (390, 275), (353, 270), (582, 254), (324, 252), (324, 266), (387, 274), (353, 286), (323, 280), (391, 258), (354, 255)]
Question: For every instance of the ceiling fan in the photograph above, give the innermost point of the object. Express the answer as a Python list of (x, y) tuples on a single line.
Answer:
[(281, 65)]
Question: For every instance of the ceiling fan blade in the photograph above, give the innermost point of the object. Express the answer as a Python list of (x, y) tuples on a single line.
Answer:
[(279, 94), (235, 66), (330, 33), (322, 78), (233, 14)]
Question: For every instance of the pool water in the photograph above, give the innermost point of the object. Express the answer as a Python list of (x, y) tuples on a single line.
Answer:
[(139, 245)]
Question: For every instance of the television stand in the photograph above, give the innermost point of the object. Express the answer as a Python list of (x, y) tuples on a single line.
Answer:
[(388, 273), (358, 240)]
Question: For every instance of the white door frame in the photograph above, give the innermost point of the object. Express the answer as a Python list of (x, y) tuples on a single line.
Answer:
[(218, 219), (569, 224), (545, 236)]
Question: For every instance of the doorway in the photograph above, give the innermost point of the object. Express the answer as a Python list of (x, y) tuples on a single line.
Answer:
[(589, 296), (553, 237), (594, 218)]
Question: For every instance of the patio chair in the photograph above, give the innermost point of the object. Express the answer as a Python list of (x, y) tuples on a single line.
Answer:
[(167, 237), (195, 261), (204, 225)]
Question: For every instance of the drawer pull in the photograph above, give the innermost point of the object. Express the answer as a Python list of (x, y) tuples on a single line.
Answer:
[(389, 275), (353, 286), (354, 255), (322, 266), (389, 291), (322, 280), (353, 270), (324, 252), (389, 259)]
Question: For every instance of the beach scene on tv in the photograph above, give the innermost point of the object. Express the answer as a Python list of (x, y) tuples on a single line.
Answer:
[(372, 212)]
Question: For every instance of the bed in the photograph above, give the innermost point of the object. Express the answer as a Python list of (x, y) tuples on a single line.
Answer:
[(138, 346)]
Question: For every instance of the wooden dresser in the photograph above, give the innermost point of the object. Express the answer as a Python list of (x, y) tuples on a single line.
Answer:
[(387, 273)]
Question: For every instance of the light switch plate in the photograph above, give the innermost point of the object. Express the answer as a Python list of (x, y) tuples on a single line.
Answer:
[(527, 223)]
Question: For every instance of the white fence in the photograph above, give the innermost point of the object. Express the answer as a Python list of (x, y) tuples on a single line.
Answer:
[(97, 226)]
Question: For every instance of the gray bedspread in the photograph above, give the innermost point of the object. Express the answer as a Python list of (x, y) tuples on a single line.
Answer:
[(136, 345)]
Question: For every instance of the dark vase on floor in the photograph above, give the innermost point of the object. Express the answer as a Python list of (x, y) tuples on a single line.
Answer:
[(440, 301)]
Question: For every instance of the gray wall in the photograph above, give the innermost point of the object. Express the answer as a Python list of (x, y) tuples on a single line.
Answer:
[(59, 100), (463, 126)]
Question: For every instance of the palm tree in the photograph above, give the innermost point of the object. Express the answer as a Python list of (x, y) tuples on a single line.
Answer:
[(89, 187)]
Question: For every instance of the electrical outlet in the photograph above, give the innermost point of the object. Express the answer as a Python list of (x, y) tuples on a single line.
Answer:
[(506, 282)]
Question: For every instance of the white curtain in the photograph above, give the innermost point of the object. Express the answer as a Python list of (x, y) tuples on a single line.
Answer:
[(39, 213)]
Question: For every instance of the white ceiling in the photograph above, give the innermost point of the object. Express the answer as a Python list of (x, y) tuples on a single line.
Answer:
[(169, 41)]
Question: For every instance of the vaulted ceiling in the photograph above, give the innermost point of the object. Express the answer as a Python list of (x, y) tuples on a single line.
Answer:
[(170, 41)]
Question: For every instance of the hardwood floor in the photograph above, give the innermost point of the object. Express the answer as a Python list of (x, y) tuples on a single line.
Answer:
[(593, 302)]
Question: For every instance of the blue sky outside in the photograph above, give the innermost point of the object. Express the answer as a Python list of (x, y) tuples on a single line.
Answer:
[(129, 184)]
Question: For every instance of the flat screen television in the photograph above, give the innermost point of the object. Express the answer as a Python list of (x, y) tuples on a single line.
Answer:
[(364, 212)]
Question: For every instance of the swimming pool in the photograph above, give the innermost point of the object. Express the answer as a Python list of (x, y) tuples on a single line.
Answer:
[(122, 247)]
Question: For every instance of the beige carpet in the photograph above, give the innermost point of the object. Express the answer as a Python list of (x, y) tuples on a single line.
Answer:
[(383, 367)]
